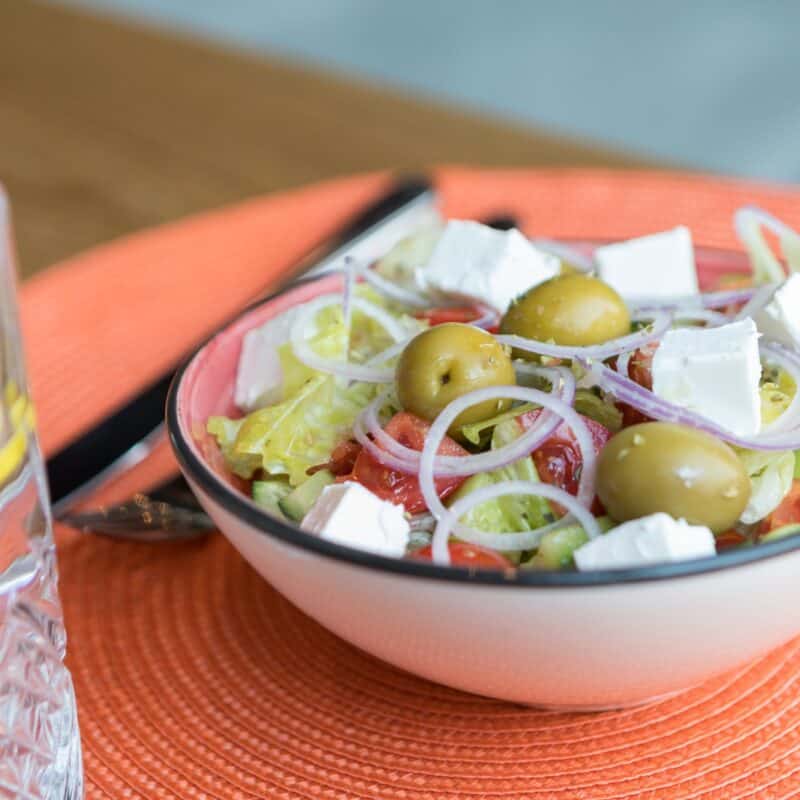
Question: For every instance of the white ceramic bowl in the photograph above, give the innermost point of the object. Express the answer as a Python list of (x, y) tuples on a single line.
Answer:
[(569, 640)]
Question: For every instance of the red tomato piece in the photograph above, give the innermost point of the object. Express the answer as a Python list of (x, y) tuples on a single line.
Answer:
[(342, 460), (397, 487), (640, 366), (728, 539), (463, 554), (640, 370), (787, 513), (558, 460)]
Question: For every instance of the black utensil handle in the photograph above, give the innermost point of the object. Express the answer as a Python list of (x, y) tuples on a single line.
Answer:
[(99, 447)]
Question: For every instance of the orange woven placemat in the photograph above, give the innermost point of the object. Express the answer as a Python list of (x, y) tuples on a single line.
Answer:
[(196, 680)]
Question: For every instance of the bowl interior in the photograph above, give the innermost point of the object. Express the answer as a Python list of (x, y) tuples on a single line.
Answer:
[(205, 387), (208, 384)]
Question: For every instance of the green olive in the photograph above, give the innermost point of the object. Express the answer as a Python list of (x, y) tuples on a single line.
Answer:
[(572, 309), (659, 466), (447, 361)]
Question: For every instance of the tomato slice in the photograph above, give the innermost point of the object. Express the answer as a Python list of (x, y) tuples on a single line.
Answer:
[(438, 316), (342, 460), (640, 366), (463, 554), (640, 370), (397, 487), (728, 539), (787, 513), (558, 460)]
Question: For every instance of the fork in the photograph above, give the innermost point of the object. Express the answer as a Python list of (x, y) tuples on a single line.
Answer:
[(167, 512)]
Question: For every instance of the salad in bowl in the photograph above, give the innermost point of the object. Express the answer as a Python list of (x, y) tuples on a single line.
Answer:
[(477, 399)]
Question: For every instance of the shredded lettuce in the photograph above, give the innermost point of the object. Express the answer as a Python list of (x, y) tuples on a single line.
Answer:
[(477, 432), (596, 408), (771, 475), (797, 464), (511, 513), (225, 431), (291, 436), (314, 410)]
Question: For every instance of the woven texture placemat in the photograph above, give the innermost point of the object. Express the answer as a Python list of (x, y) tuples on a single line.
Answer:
[(196, 680)]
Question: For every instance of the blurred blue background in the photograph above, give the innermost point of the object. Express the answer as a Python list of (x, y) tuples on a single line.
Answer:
[(709, 85)]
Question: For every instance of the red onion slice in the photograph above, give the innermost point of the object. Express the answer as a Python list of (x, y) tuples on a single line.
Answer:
[(304, 322), (623, 363), (661, 321), (387, 451), (727, 297), (719, 299), (748, 222), (525, 540), (511, 452), (489, 318), (347, 294), (689, 314), (390, 289), (627, 391)]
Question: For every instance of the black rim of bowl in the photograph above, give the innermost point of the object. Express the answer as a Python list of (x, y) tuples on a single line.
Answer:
[(245, 509)]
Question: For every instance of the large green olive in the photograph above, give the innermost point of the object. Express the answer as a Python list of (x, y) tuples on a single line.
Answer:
[(449, 360), (573, 309), (659, 466)]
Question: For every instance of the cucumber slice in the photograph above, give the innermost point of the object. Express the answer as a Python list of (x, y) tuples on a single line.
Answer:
[(556, 548), (299, 501), (792, 529), (268, 495)]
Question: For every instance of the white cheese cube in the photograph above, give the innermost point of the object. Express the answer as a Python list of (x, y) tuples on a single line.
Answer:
[(714, 372), (478, 262), (779, 317), (259, 377), (654, 539), (658, 267), (351, 515)]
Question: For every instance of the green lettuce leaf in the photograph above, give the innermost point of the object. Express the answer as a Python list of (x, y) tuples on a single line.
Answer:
[(594, 407), (771, 475), (510, 513), (225, 431), (477, 432), (291, 436)]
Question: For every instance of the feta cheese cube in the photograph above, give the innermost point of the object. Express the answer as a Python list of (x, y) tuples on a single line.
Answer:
[(349, 514), (655, 539), (259, 377), (779, 317), (714, 372), (657, 267), (479, 262)]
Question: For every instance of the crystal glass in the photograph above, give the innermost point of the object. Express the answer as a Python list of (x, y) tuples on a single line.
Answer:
[(40, 754)]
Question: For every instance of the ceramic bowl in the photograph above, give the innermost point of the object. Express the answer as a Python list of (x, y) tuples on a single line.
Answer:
[(566, 640)]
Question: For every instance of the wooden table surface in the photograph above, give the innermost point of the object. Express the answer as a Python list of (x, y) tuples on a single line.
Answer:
[(107, 127)]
